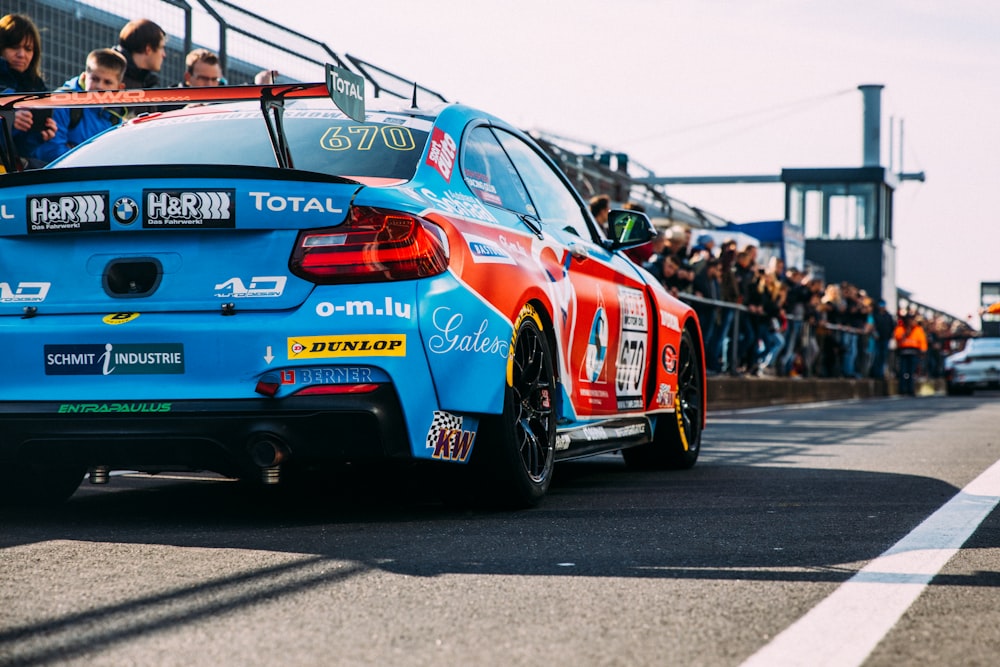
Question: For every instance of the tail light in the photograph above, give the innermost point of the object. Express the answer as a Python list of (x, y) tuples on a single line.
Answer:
[(371, 245)]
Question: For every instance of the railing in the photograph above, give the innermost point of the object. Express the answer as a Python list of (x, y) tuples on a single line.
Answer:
[(246, 42), (821, 344)]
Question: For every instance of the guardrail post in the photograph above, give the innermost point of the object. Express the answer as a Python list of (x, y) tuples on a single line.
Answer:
[(734, 344)]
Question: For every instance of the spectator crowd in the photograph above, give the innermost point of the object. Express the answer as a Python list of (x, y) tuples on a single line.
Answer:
[(41, 136), (760, 318)]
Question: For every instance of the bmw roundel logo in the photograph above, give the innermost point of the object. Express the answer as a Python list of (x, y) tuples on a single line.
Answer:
[(125, 210)]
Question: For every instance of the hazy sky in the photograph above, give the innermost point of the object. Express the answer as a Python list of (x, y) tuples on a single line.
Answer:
[(720, 88)]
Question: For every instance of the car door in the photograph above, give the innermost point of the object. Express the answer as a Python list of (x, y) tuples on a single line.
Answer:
[(605, 324)]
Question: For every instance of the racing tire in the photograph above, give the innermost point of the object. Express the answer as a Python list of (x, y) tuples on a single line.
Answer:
[(515, 455), (39, 486), (957, 390), (677, 437)]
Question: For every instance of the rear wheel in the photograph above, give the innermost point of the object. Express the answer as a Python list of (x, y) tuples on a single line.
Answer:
[(677, 437), (958, 390), (515, 453)]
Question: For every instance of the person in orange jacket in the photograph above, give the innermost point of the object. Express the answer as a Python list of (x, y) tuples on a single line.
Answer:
[(911, 344)]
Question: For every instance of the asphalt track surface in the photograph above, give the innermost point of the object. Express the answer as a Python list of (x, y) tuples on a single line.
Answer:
[(853, 533)]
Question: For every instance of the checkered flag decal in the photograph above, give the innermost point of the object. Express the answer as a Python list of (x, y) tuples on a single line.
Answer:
[(442, 420)]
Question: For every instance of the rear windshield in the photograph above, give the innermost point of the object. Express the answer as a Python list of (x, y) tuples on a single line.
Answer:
[(319, 139), (985, 345)]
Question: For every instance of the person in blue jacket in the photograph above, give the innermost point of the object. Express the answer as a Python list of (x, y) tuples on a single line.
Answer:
[(105, 71), (21, 72)]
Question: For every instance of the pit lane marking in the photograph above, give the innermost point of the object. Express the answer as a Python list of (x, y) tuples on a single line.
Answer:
[(846, 627)]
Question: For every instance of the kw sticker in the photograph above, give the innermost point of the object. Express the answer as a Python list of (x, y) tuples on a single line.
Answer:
[(448, 439)]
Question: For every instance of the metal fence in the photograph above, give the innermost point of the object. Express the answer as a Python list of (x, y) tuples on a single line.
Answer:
[(816, 348), (71, 29), (246, 42)]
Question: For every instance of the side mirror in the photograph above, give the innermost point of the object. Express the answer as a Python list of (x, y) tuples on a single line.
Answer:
[(630, 228)]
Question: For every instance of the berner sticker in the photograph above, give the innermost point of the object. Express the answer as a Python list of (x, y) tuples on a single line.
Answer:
[(115, 359)]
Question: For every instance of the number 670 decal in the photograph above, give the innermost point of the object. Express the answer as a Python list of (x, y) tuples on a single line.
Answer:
[(362, 137)]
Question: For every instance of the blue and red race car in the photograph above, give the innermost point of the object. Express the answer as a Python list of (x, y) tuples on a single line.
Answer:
[(265, 284)]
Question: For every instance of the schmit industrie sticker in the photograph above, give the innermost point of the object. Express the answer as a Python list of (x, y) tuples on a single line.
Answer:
[(115, 359)]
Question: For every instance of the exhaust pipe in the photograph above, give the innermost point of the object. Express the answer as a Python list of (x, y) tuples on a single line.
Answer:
[(267, 451), (99, 475)]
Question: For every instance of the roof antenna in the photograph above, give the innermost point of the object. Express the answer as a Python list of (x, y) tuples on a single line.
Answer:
[(414, 104)]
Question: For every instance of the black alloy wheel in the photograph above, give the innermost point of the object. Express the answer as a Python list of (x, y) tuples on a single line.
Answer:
[(516, 451), (677, 438)]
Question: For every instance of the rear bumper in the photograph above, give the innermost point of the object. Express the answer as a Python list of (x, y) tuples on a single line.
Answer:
[(217, 435), (976, 378)]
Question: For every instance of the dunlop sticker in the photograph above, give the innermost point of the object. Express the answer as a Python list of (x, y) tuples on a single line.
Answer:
[(357, 345)]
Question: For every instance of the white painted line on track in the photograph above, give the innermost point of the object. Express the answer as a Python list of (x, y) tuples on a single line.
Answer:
[(796, 406), (845, 628)]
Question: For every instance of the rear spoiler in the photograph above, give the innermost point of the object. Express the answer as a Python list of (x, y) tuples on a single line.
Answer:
[(346, 89), (159, 96)]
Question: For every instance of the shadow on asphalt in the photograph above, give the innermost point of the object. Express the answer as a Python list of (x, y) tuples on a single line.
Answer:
[(739, 514)]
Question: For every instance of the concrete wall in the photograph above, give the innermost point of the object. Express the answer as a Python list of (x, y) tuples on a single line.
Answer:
[(726, 393)]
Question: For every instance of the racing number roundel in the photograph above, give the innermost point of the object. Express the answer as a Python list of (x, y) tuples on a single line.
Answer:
[(119, 318)]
